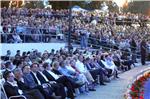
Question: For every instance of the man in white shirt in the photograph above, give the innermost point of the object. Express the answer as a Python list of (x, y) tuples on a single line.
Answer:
[(80, 76), (82, 69)]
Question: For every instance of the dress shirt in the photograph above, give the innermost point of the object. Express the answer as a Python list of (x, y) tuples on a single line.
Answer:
[(65, 71), (44, 76), (14, 84), (21, 79), (80, 66), (70, 68), (39, 83)]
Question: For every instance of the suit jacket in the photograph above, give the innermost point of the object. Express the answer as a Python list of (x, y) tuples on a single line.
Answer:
[(49, 76), (29, 80), (22, 85), (11, 90), (41, 78), (34, 78), (56, 72), (101, 64), (55, 86), (88, 66)]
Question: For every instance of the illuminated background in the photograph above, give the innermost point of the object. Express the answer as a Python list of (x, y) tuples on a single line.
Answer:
[(114, 5)]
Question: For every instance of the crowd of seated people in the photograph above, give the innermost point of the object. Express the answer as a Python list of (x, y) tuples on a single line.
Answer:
[(57, 74), (88, 28), (91, 28)]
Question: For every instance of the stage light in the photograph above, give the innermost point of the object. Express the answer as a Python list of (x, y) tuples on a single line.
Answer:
[(121, 3)]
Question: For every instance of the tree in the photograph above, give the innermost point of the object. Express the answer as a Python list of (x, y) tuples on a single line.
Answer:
[(139, 7)]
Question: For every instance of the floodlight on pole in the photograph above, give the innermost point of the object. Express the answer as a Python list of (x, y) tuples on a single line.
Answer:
[(121, 3)]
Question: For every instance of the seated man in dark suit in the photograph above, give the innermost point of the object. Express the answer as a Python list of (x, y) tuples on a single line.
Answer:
[(12, 89), (56, 87), (125, 60), (94, 70), (20, 80), (29, 80), (59, 79)]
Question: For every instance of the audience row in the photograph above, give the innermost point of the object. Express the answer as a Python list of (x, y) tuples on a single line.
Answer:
[(57, 75)]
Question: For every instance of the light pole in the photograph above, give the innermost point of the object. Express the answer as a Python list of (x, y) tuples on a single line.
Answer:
[(70, 26)]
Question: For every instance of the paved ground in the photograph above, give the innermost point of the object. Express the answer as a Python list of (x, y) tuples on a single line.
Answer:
[(147, 90), (116, 88)]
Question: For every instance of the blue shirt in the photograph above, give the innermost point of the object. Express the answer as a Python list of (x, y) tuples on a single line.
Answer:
[(65, 71), (20, 29), (29, 80)]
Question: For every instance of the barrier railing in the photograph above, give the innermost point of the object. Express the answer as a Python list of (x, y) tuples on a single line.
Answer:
[(62, 36), (110, 48), (46, 37), (30, 38), (36, 38)]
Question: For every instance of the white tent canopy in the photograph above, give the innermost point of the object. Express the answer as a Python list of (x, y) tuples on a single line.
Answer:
[(78, 9), (98, 11)]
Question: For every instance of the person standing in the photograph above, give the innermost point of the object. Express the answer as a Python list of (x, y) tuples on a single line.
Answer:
[(143, 51), (133, 49), (84, 34)]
